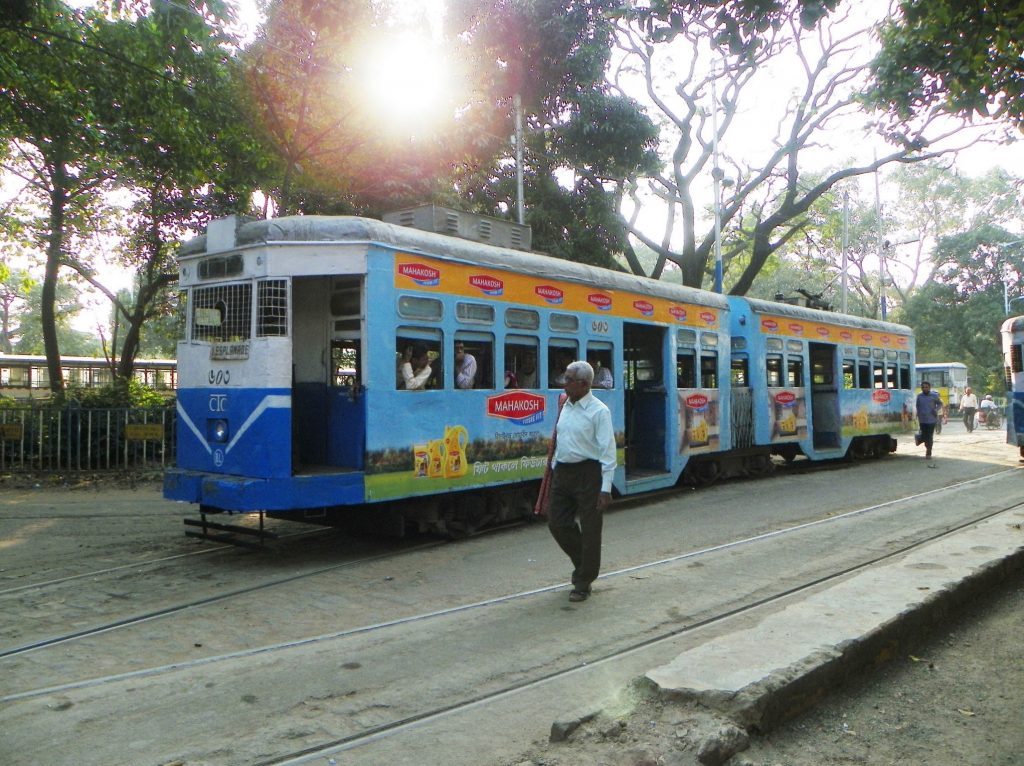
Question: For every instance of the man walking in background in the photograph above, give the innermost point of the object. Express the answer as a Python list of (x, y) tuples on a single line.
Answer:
[(968, 406), (929, 408)]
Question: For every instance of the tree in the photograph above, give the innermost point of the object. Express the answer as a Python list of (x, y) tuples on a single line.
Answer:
[(68, 307), (15, 287), (97, 100), (581, 138), (184, 153), (308, 77), (768, 199), (957, 313), (48, 100), (964, 58), (735, 25)]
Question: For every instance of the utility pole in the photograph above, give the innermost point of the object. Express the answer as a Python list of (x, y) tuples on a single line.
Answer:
[(881, 247), (846, 245), (716, 175), (517, 103)]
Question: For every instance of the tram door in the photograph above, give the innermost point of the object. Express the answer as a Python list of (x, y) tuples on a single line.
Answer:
[(646, 400), (825, 419), (328, 412)]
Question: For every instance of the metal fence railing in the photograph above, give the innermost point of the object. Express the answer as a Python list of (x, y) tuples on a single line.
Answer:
[(72, 438)]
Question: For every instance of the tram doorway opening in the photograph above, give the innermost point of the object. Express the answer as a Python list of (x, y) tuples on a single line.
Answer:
[(646, 400), (827, 425)]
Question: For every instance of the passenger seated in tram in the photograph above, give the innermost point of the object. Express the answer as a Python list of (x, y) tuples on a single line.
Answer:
[(465, 367), (415, 367), (602, 372)]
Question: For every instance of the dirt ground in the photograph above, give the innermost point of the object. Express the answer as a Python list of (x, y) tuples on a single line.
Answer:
[(958, 700)]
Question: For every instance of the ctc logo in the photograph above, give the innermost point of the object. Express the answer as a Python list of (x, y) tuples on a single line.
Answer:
[(218, 402)]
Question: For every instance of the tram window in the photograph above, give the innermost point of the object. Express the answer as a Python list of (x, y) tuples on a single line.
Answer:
[(564, 322), (878, 373), (905, 377), (774, 344), (222, 312), (474, 313), (773, 368), (795, 346), (522, 319), (1016, 358), (478, 372), (417, 307), (599, 354), (794, 371), (407, 341), (709, 370), (561, 352), (686, 338), (271, 307), (738, 371), (708, 340), (863, 373), (739, 344), (521, 362), (849, 374), (345, 363), (864, 353), (891, 375), (686, 368)]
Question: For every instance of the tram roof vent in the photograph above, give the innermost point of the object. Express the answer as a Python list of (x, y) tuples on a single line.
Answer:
[(459, 223)]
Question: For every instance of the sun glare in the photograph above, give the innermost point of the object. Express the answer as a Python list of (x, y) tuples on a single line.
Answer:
[(407, 81)]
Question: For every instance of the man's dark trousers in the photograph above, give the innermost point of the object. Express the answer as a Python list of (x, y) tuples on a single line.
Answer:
[(575, 489)]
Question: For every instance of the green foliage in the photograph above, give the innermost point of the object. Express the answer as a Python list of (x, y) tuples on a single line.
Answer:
[(553, 54), (130, 393), (738, 25), (966, 58), (957, 316)]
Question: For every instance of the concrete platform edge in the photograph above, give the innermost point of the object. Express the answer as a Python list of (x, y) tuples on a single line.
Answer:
[(792, 689)]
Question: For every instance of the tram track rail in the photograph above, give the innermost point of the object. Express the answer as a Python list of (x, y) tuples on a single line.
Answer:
[(398, 726), (461, 608), (219, 548)]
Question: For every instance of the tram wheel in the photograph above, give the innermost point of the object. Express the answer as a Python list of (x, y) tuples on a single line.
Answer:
[(708, 473), (757, 466), (859, 449)]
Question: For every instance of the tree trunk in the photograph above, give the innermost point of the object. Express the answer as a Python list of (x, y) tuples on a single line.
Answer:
[(54, 250)]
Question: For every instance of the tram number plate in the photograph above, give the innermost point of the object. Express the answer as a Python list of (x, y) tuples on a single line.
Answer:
[(599, 326), (141, 432), (11, 432)]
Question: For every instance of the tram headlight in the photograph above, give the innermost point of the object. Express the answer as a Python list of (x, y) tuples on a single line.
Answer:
[(217, 430)]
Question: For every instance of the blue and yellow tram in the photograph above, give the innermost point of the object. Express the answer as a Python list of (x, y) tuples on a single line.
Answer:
[(1012, 337), (700, 385)]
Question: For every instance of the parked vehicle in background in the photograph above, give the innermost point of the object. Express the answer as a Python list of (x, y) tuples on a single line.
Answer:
[(25, 376), (948, 379)]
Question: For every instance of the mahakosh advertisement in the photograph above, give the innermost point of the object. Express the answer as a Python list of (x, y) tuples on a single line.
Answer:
[(831, 333), (418, 272)]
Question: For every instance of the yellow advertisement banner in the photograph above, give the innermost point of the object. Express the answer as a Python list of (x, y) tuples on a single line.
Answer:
[(831, 333), (417, 272)]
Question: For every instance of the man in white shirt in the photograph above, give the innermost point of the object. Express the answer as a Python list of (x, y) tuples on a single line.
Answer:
[(968, 406), (584, 464), (465, 367), (415, 367)]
